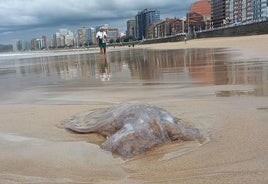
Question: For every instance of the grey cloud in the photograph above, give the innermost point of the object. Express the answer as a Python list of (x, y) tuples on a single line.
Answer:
[(31, 15)]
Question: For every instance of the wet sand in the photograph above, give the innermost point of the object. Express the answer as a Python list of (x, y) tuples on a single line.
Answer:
[(35, 148), (251, 46)]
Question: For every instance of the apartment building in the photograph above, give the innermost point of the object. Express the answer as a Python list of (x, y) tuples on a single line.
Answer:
[(113, 33), (238, 11), (82, 36), (218, 12), (259, 10), (168, 27), (144, 19), (131, 27), (235, 12)]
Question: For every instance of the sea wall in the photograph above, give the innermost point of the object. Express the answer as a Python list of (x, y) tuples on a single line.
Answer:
[(239, 30), (173, 38)]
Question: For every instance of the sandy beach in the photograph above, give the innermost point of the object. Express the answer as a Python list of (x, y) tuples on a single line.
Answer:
[(251, 46), (35, 148)]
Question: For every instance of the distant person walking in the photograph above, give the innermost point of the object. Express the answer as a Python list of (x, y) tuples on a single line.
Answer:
[(185, 39), (101, 37)]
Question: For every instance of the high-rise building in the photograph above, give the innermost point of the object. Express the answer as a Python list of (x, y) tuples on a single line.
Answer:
[(37, 44), (82, 36), (50, 43), (88, 36), (44, 42), (143, 21), (69, 39), (93, 35), (66, 38), (58, 40), (15, 45), (218, 12), (112, 33), (131, 27), (25, 45), (259, 10), (238, 11)]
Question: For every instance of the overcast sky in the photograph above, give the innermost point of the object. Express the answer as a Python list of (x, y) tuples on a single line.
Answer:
[(26, 19)]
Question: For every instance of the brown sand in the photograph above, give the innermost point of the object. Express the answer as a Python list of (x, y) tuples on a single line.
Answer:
[(251, 46), (36, 149)]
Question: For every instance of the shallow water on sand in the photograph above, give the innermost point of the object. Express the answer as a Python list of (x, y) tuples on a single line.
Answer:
[(45, 79)]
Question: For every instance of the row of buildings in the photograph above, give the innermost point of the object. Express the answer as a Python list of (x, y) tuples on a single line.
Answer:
[(202, 15), (66, 38), (85, 36)]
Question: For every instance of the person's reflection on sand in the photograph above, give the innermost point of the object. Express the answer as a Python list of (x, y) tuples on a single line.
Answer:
[(105, 71)]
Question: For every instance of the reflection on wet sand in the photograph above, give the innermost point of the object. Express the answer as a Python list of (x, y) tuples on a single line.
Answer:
[(105, 69), (151, 67), (203, 67)]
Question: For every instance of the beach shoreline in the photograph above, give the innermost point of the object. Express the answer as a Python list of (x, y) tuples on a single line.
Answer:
[(35, 148), (250, 46)]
